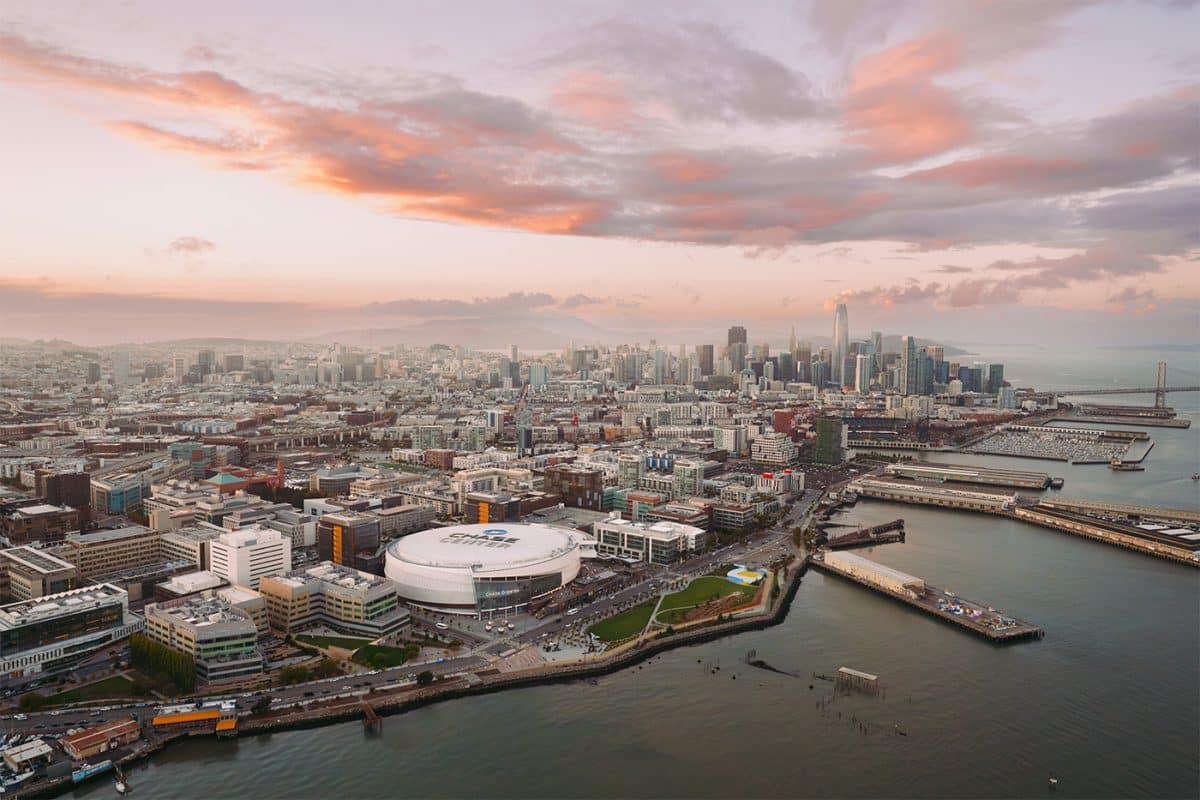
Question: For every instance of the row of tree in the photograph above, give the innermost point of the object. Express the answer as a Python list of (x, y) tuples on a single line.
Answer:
[(154, 659)]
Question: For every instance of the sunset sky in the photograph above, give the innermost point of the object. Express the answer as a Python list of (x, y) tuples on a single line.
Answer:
[(965, 170)]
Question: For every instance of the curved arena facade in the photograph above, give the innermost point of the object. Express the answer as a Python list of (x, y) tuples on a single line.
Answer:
[(485, 570)]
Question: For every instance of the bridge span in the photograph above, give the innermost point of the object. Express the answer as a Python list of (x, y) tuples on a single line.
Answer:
[(1129, 390)]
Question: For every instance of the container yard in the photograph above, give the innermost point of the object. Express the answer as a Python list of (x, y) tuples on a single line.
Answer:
[(944, 604)]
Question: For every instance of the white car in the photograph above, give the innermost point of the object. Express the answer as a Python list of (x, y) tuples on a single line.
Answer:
[(441, 626), (572, 612)]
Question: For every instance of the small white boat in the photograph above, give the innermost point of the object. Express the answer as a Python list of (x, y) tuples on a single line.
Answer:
[(120, 786)]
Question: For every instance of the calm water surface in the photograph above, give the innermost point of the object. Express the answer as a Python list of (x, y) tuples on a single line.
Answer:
[(1109, 701)]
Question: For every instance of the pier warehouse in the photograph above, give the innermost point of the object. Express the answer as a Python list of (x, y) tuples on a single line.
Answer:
[(891, 579)]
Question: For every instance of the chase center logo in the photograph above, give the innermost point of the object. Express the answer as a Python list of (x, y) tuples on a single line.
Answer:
[(489, 537)]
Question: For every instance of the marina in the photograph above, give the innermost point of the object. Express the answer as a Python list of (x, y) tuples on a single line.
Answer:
[(1055, 443)]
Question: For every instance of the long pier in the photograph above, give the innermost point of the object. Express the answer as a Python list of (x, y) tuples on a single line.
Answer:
[(1078, 517), (1126, 509), (939, 603), (1122, 419)]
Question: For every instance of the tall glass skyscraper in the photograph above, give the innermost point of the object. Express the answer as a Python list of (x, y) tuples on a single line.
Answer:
[(841, 344)]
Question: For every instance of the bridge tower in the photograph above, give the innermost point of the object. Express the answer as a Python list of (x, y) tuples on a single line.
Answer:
[(1160, 394)]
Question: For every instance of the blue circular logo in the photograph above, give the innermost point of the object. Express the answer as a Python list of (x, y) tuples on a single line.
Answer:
[(495, 531)]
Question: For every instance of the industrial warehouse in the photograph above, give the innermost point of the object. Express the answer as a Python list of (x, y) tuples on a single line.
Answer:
[(485, 570)]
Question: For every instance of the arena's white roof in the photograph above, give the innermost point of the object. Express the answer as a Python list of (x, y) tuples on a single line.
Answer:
[(486, 547)]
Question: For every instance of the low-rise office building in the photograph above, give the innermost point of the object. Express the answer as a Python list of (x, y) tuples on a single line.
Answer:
[(335, 596), (105, 551), (26, 573), (658, 543), (47, 633), (191, 543), (39, 523), (220, 636)]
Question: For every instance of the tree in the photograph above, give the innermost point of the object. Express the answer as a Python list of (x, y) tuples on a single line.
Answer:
[(425, 678), (262, 705), (32, 701), (293, 674)]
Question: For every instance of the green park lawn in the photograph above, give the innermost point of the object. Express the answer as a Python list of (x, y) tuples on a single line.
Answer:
[(344, 642), (702, 590), (379, 657), (116, 686), (624, 625)]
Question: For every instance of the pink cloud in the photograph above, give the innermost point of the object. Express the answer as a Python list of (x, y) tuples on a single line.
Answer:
[(894, 108), (596, 99)]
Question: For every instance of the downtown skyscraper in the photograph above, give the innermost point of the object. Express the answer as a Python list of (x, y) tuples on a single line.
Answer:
[(841, 344)]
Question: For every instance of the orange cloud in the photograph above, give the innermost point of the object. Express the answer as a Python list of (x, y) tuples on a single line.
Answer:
[(454, 155), (895, 109)]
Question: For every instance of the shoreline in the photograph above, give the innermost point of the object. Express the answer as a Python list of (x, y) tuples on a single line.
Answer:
[(384, 705)]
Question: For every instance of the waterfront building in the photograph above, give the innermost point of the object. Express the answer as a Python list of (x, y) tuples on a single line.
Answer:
[(101, 738)]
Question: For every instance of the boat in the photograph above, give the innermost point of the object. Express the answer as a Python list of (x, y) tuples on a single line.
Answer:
[(1117, 465), (119, 782), (1196, 476)]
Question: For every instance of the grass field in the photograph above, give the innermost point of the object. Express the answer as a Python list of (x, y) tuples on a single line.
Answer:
[(379, 657), (345, 642), (702, 590), (116, 686), (623, 625)]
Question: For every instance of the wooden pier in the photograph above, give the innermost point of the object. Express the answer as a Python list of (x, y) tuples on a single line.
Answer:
[(371, 720), (886, 533)]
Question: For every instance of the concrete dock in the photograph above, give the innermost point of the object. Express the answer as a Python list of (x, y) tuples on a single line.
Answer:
[(943, 604)]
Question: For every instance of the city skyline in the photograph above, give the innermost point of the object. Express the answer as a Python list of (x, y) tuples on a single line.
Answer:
[(189, 174)]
